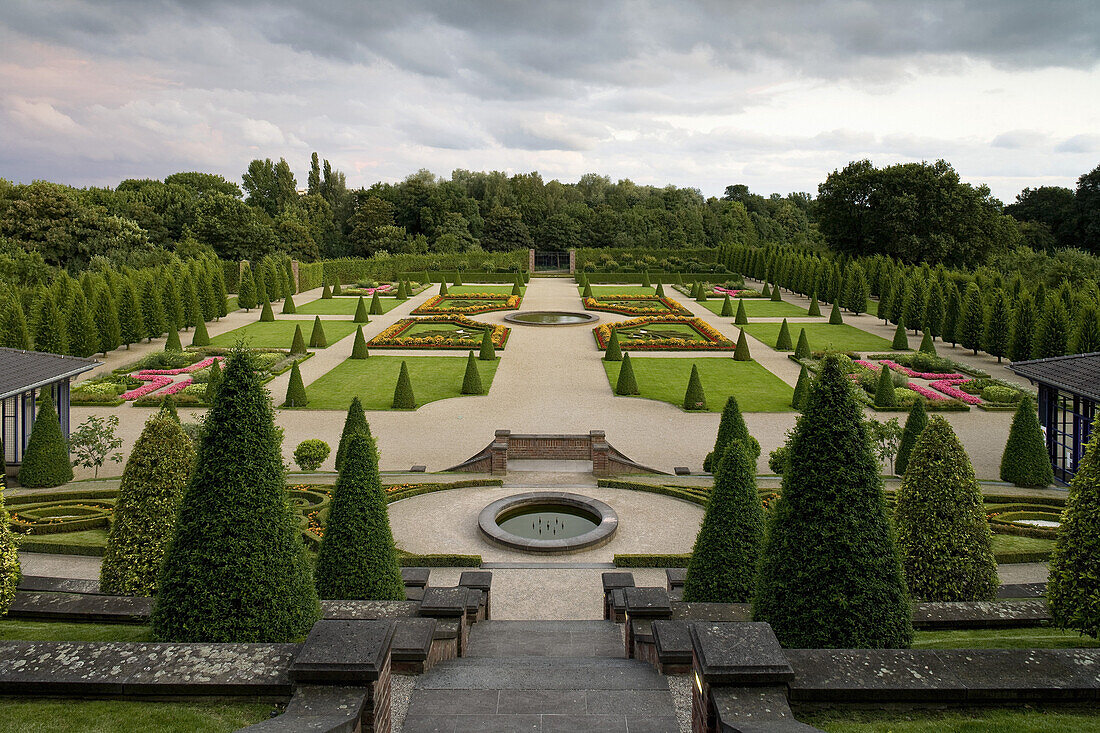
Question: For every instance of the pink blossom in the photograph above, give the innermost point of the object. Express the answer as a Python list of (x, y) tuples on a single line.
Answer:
[(178, 386), (925, 392), (728, 291), (949, 388), (153, 383), (182, 370)]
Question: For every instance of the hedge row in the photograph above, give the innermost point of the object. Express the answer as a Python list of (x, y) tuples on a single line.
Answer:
[(686, 493), (438, 561)]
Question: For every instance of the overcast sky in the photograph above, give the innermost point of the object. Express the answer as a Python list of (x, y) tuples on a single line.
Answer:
[(774, 94)]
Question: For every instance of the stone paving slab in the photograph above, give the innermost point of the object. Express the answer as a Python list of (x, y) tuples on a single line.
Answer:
[(545, 639)]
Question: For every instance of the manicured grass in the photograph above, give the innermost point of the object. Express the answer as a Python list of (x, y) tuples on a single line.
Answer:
[(759, 308), (279, 333), (231, 304), (658, 332), (15, 630), (342, 307), (603, 290), (373, 380), (87, 537), (822, 336), (987, 720), (1012, 543), (665, 379), (19, 715), (475, 288), (1039, 637)]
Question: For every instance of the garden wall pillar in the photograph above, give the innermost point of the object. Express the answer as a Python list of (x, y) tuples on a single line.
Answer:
[(294, 274), (572, 261), (600, 463), (498, 452), (530, 260)]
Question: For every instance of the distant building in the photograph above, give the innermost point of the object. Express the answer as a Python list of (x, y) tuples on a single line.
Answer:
[(24, 376), (1069, 389)]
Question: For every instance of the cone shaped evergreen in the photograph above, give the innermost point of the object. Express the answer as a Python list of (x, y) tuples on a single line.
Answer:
[(213, 383), (884, 390), (835, 318), (267, 315), (727, 307), (815, 309), (288, 304), (626, 384), (361, 312), (783, 342), (927, 345), (295, 389), (915, 424), (741, 318), (660, 290), (901, 341), (46, 460), (173, 342), (403, 398), (777, 297), (487, 353), (766, 291), (723, 561), (358, 558), (336, 289), (359, 348), (298, 344), (943, 534), (587, 292), (801, 389), (458, 278), (613, 352), (326, 292), (646, 283), (402, 291), (702, 296), (516, 289), (200, 337), (375, 304), (443, 287), (317, 339), (355, 422), (471, 380), (694, 396), (731, 427), (1025, 461), (802, 349), (153, 481), (236, 569), (830, 574), (741, 353), (1074, 584)]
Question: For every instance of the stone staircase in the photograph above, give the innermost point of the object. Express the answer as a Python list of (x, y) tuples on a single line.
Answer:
[(542, 676)]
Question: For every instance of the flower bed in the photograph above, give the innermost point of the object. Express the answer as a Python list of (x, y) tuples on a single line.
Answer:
[(208, 361), (720, 291), (153, 382), (636, 305), (709, 339), (444, 304), (466, 336)]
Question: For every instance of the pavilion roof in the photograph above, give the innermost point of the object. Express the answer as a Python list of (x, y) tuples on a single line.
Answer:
[(21, 371), (1077, 373)]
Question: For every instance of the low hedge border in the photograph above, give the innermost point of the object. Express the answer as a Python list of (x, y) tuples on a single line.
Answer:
[(42, 497), (686, 493), (61, 548), (409, 560)]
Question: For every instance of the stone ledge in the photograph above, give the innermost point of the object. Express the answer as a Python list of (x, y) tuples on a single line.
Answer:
[(57, 606), (981, 614), (738, 654), (343, 651), (320, 708), (755, 710)]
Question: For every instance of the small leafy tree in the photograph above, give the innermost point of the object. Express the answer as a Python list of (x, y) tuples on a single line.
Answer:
[(914, 426), (1025, 461), (403, 397), (471, 380), (93, 442), (694, 397), (1086, 334), (626, 384), (885, 439), (46, 460), (311, 453)]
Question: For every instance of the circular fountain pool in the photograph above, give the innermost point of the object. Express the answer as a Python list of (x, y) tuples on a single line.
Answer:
[(550, 318), (548, 522)]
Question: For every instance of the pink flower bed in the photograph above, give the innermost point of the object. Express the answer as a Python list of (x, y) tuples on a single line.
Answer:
[(371, 291), (183, 370), (946, 384), (153, 383), (178, 386), (925, 392), (727, 291)]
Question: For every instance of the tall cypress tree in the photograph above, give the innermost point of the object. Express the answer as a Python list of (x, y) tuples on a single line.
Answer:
[(1052, 336), (170, 302), (247, 296), (731, 427), (236, 569), (50, 334), (355, 422), (914, 426), (912, 310), (81, 328), (221, 295), (1086, 334), (152, 310), (858, 290), (14, 333), (106, 318), (934, 307), (996, 330), (830, 574), (1025, 461), (46, 460), (971, 319), (951, 314)]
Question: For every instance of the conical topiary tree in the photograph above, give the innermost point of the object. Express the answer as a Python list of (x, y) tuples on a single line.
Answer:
[(783, 341), (901, 340), (288, 304), (927, 345), (1074, 584), (10, 571), (173, 342), (317, 339), (267, 315), (727, 306), (359, 347), (587, 291), (213, 382), (46, 460), (336, 289), (741, 318), (200, 337), (914, 426), (646, 283), (355, 422), (358, 558), (402, 291), (776, 296), (516, 289), (403, 397), (361, 312), (1025, 461), (236, 569), (613, 352), (884, 390), (801, 389), (295, 389), (766, 291), (802, 349), (702, 296), (835, 317), (298, 344), (471, 380), (442, 287), (741, 352), (246, 289), (326, 292), (731, 427), (458, 278), (815, 308), (153, 481), (660, 291), (694, 396), (488, 352), (830, 574), (626, 383), (723, 561), (943, 534), (375, 304)]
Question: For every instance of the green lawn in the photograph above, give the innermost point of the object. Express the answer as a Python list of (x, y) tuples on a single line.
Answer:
[(94, 716), (665, 379), (342, 306), (758, 308), (475, 288), (14, 630), (604, 290), (231, 304), (86, 537), (1012, 543), (822, 336), (968, 720), (278, 334), (433, 378), (658, 332), (1040, 637)]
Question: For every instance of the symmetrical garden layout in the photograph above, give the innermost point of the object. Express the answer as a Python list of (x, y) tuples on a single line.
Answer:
[(664, 333), (439, 332), (467, 304)]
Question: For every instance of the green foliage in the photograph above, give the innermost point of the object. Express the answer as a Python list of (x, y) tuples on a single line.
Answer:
[(901, 341), (288, 304), (943, 534), (927, 345), (815, 308), (10, 572), (694, 396), (1052, 336), (783, 341), (646, 282), (914, 426), (776, 296), (727, 307), (443, 287), (884, 390), (355, 422), (213, 382), (46, 460), (237, 569), (130, 322), (741, 318), (971, 319), (311, 453), (1025, 461), (359, 347), (403, 397), (731, 427), (951, 315), (361, 312), (94, 442), (801, 388), (1086, 334), (200, 337), (317, 339), (487, 352), (402, 291), (471, 381), (996, 331), (295, 389), (153, 482), (246, 290), (267, 315), (375, 304), (613, 352), (336, 289), (1074, 584), (659, 291), (298, 344), (766, 291), (830, 575), (458, 278), (778, 460), (885, 437), (587, 292), (802, 349), (14, 333), (80, 327), (152, 310), (173, 342), (723, 561), (626, 384), (516, 289), (835, 317), (358, 558), (741, 352), (49, 332)]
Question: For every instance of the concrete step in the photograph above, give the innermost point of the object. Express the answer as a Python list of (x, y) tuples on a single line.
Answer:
[(545, 639)]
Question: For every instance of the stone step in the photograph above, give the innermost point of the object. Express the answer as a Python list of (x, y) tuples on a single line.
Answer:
[(542, 673), (500, 639)]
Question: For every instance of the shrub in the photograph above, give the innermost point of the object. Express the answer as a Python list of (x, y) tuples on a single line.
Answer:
[(927, 345), (326, 291), (815, 308), (727, 307), (1052, 336), (487, 352), (587, 292), (288, 304), (361, 312), (835, 318), (776, 296), (766, 291), (317, 339), (802, 350), (298, 344), (901, 341), (375, 304), (267, 315), (914, 426), (646, 283), (1001, 395), (731, 427), (355, 422), (246, 289), (10, 572), (295, 389), (357, 558), (1074, 584), (153, 482), (702, 296), (741, 352), (458, 277), (660, 290), (403, 397), (402, 291), (830, 575), (741, 318), (943, 534), (200, 337), (801, 388), (778, 460), (236, 569), (723, 561), (173, 342), (311, 453), (471, 380), (359, 347), (1025, 461), (783, 342), (336, 289), (213, 382), (46, 460), (971, 319), (694, 397), (884, 392), (516, 289), (626, 384), (443, 287), (613, 352)]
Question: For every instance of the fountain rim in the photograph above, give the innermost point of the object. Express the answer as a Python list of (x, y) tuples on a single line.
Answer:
[(585, 318), (602, 533)]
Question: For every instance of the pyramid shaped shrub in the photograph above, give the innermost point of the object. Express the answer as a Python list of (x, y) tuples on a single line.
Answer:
[(46, 460), (1025, 461), (355, 422)]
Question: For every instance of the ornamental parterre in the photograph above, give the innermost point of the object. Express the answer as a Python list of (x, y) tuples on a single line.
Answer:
[(664, 333), (439, 332), (636, 305), (458, 305)]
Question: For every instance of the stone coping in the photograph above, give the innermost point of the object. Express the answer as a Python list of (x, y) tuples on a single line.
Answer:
[(609, 522), (587, 318)]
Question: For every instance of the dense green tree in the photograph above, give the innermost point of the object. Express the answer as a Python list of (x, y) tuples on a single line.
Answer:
[(290, 308), (741, 318), (626, 383), (694, 396), (783, 341), (14, 333), (1086, 334), (270, 186), (801, 389), (1025, 461), (901, 340), (912, 310), (731, 427), (488, 351), (355, 422), (802, 349), (81, 327), (46, 460), (1023, 328), (835, 318), (971, 319), (50, 333), (403, 397), (471, 380), (1052, 336), (934, 308), (952, 312), (152, 310), (317, 338), (295, 389), (1052, 209), (927, 345), (361, 312), (995, 333), (612, 352), (359, 347), (106, 318), (914, 426), (741, 350), (298, 343), (884, 390), (200, 337), (858, 291)]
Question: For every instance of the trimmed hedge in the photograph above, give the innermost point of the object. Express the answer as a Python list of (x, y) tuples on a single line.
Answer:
[(652, 560), (488, 352), (355, 422), (407, 560), (613, 352), (403, 397), (46, 460), (298, 344), (783, 341), (741, 352), (1025, 461), (361, 312), (471, 380)]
